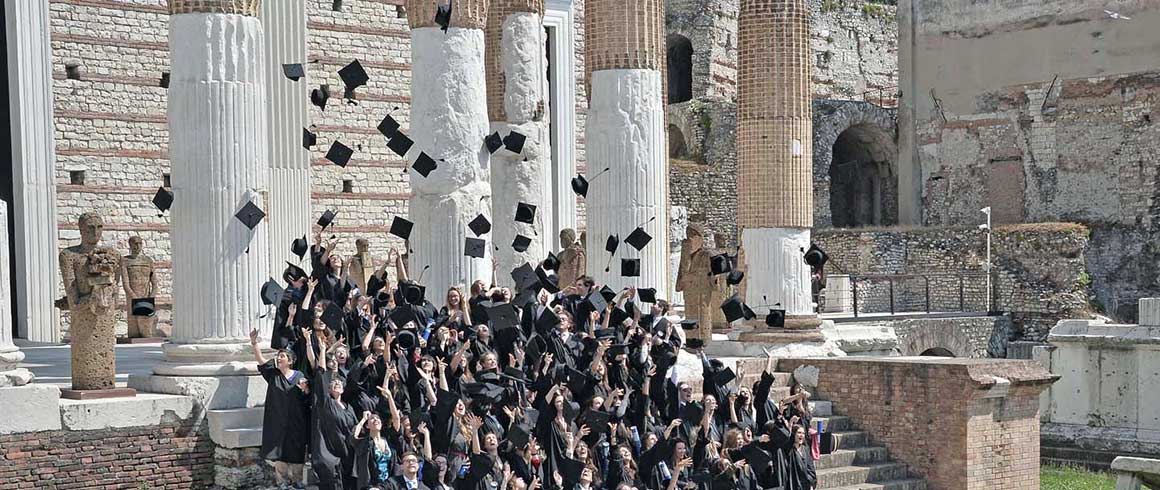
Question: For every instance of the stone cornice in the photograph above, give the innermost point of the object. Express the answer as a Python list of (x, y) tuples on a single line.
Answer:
[(237, 7)]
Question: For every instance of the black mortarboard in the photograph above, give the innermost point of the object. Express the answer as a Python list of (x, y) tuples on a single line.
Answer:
[(332, 316), (775, 319), (514, 142), (570, 470), (250, 215), (293, 71), (607, 293), (580, 185), (479, 225), (524, 276), (596, 301), (308, 139), (688, 324), (552, 262), (401, 228), (389, 126), (647, 295), (521, 243), (502, 315), (326, 219), (474, 247), (272, 292), (374, 285), (550, 282), (755, 457), (147, 307), (815, 256), (518, 436), (618, 349), (403, 314), (719, 264), (163, 199), (748, 312), (630, 267), (412, 292), (526, 213), (735, 277), (443, 15), (695, 343), (611, 244), (596, 420), (484, 392), (424, 164), (319, 96), (339, 154), (604, 333), (723, 377), (665, 355), (164, 82), (618, 317), (547, 320), (493, 142), (293, 273), (299, 246), (400, 143), (407, 340), (733, 308), (353, 76), (638, 238), (508, 336)]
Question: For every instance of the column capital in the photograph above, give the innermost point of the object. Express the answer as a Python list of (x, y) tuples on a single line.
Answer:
[(466, 14), (238, 7)]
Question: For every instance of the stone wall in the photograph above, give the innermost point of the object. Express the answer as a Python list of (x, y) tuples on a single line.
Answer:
[(1039, 270), (980, 337), (165, 456), (985, 414)]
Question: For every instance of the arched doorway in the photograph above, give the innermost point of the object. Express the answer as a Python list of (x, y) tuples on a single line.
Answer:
[(678, 149), (937, 352), (863, 180), (680, 68)]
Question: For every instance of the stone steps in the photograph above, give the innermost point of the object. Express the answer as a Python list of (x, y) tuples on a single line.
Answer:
[(903, 484), (236, 427), (833, 423), (855, 475), (849, 457)]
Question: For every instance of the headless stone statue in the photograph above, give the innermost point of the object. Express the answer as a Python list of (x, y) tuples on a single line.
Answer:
[(360, 266), (573, 259), (90, 274), (695, 281), (138, 280)]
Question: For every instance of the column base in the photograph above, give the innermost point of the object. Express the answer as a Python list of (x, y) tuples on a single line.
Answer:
[(212, 392), (207, 360), (16, 377)]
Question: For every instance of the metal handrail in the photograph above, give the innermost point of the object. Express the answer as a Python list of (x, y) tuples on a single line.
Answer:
[(890, 279)]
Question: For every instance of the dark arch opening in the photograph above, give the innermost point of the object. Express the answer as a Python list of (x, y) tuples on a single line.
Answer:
[(680, 62), (937, 352), (678, 149), (863, 181)]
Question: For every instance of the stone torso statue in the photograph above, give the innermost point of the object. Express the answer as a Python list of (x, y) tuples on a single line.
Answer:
[(138, 280), (695, 281), (360, 266), (573, 259), (720, 286), (90, 274)]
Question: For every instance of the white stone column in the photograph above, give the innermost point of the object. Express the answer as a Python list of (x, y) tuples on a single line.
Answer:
[(518, 101), (33, 169), (284, 23), (219, 155), (449, 122), (625, 132), (10, 355)]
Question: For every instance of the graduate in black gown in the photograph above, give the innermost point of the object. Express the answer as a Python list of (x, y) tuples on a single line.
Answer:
[(332, 428), (799, 471), (287, 395)]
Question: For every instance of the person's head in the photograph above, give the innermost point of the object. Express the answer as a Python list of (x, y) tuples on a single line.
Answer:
[(426, 364), (410, 464), (478, 287), (374, 423), (567, 237), (586, 475), (135, 244), (625, 452), (685, 392), (91, 225), (491, 443), (460, 408), (696, 236), (335, 388), (596, 402), (732, 439), (799, 435), (680, 449), (495, 295), (284, 359), (362, 245), (650, 440), (710, 402), (335, 264), (746, 435), (744, 396), (582, 452), (442, 333), (454, 299), (483, 332), (660, 308), (795, 389), (378, 345), (341, 354), (440, 465), (586, 283), (558, 402), (488, 361)]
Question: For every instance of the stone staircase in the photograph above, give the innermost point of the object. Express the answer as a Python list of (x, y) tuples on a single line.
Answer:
[(236, 427)]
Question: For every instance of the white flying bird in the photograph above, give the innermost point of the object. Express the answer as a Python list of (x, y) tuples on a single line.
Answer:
[(1116, 15)]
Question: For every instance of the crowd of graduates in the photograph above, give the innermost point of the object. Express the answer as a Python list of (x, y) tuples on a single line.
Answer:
[(551, 386)]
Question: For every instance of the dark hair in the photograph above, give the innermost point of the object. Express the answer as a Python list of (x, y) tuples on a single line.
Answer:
[(587, 281), (663, 305), (289, 354)]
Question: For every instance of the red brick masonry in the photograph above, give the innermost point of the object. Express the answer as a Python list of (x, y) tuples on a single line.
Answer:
[(166, 456), (949, 420)]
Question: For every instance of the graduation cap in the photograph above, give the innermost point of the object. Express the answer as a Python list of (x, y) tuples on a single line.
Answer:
[(484, 392), (816, 257), (580, 184), (319, 96), (402, 315), (611, 244), (308, 139), (400, 143), (514, 142), (630, 267), (293, 273), (250, 215), (695, 343), (508, 336), (720, 264), (775, 318), (723, 377), (479, 225), (596, 301), (299, 246), (607, 293), (353, 76), (733, 308), (401, 228), (521, 243), (389, 126), (664, 355), (619, 315), (526, 213), (293, 71), (326, 219), (163, 199), (443, 15), (518, 435), (552, 262), (374, 285), (596, 420), (647, 295), (332, 316), (748, 312), (638, 238), (514, 373), (570, 470), (687, 324), (503, 315), (164, 82), (493, 142), (474, 247), (145, 307), (424, 164), (755, 457), (550, 282), (339, 154), (547, 321), (407, 339), (735, 277), (412, 292), (272, 292), (524, 276)]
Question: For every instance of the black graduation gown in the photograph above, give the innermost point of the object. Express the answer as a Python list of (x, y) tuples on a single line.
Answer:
[(766, 407), (799, 472), (333, 423), (484, 474), (553, 442), (284, 416)]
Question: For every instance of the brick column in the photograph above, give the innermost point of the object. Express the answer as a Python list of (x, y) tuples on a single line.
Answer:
[(517, 101), (774, 127), (625, 132), (449, 123)]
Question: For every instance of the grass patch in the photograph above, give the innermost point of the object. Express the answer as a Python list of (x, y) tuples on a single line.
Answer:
[(1071, 478)]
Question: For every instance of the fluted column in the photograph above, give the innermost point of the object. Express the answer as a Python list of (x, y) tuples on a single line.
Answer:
[(33, 169), (10, 355), (625, 132), (517, 101), (284, 23), (449, 122), (219, 155), (774, 148)]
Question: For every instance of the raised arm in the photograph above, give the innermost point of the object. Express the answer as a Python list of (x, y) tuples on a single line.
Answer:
[(359, 427), (313, 359), (254, 345), (400, 267)]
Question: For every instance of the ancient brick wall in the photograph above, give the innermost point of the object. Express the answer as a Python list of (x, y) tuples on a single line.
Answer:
[(976, 435), (1039, 270), (165, 456)]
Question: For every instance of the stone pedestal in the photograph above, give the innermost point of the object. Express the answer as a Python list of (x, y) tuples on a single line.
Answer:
[(10, 355)]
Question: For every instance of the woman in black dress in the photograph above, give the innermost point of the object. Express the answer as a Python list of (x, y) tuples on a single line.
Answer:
[(800, 474), (285, 414)]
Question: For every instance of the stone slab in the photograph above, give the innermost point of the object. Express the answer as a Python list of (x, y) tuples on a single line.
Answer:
[(239, 438), (37, 405), (141, 340), (856, 339), (223, 420), (97, 394), (212, 392), (143, 410), (1136, 465)]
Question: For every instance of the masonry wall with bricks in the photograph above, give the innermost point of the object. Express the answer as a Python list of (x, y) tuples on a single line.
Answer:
[(164, 456), (947, 419)]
